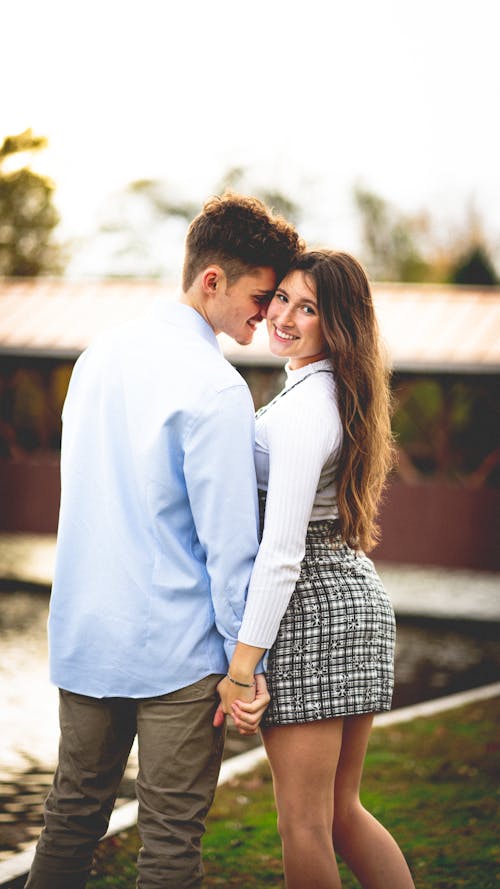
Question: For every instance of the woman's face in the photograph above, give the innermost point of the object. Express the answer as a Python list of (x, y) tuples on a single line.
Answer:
[(293, 322)]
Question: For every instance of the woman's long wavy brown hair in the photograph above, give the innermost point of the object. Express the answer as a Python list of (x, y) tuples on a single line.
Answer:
[(351, 331)]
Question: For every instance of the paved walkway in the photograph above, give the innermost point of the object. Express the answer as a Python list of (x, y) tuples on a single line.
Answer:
[(414, 590)]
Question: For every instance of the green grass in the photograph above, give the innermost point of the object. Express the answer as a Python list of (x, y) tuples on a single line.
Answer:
[(432, 782)]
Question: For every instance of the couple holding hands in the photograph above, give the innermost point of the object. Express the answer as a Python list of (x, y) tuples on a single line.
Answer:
[(212, 563)]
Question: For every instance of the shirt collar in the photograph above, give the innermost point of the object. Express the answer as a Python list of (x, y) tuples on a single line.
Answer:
[(185, 317), (300, 373)]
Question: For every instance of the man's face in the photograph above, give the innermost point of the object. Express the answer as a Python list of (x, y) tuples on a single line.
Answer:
[(239, 307)]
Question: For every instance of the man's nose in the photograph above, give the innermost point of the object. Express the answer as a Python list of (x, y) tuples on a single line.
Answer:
[(263, 307)]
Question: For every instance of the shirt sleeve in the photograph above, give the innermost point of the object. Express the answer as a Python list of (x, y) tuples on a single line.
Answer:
[(219, 471), (300, 442)]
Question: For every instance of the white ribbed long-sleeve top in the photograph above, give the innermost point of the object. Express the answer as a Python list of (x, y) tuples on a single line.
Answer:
[(298, 440)]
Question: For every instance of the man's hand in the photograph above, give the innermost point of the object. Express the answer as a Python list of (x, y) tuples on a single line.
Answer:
[(245, 706)]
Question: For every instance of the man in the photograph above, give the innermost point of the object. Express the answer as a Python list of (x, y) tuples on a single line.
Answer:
[(157, 536)]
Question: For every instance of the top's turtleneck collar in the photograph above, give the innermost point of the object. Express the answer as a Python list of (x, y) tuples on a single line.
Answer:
[(300, 373)]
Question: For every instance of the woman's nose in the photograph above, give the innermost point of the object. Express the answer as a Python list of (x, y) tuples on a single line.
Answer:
[(284, 316)]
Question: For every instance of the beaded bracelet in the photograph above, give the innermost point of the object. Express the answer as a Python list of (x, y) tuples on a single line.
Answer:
[(241, 684)]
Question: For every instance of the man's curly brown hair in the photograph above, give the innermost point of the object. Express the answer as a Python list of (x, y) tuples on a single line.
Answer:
[(240, 234)]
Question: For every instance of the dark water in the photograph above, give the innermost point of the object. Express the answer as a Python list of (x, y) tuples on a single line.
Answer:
[(437, 657), (433, 658)]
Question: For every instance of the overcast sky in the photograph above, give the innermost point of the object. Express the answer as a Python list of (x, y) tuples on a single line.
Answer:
[(400, 96)]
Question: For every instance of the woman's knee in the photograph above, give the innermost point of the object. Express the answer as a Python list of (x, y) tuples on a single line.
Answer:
[(297, 824), (348, 812)]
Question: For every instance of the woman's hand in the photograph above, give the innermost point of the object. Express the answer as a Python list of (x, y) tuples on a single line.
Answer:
[(246, 706), (246, 716)]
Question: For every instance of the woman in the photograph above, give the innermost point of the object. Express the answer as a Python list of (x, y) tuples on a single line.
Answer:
[(323, 449)]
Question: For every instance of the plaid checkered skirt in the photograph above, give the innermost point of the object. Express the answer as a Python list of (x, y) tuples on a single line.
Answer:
[(334, 653)]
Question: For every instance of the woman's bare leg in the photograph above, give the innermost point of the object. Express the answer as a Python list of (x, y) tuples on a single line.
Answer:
[(363, 843), (303, 761), (307, 762)]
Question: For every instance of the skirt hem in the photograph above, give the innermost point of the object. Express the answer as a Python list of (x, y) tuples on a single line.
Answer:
[(306, 720)]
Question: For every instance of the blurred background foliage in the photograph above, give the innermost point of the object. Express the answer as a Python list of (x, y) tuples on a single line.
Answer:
[(141, 228), (407, 247), (446, 427), (28, 216)]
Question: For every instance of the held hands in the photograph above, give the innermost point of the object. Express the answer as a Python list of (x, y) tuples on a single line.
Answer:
[(246, 706)]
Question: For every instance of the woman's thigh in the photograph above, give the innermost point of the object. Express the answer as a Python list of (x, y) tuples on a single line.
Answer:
[(303, 761), (355, 737)]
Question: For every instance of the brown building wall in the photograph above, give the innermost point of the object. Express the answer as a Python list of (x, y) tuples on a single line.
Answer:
[(434, 523), (29, 494)]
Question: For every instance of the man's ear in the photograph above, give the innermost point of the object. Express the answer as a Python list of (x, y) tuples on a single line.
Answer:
[(211, 279)]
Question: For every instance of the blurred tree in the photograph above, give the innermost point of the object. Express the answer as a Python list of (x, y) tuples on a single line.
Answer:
[(474, 267), (161, 199), (398, 247), (140, 233), (389, 238), (143, 227), (27, 214), (470, 260), (237, 179)]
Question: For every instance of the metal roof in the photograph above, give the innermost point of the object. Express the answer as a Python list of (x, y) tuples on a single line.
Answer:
[(425, 327)]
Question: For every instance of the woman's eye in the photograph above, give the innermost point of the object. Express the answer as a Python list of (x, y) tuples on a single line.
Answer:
[(309, 311)]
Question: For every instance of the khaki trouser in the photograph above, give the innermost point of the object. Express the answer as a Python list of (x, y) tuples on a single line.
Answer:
[(179, 760)]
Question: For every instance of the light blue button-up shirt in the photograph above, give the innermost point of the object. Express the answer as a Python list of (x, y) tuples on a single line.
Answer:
[(158, 521)]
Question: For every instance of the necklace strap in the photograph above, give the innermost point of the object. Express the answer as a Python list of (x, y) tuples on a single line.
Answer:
[(285, 391)]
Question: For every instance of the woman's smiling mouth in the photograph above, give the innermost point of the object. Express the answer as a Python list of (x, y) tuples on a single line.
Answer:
[(283, 335)]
